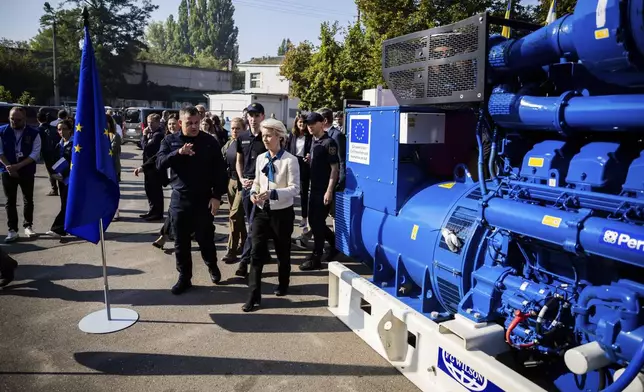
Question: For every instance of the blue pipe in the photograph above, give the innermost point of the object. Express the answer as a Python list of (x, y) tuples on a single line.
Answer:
[(573, 231), (568, 112), (608, 48), (632, 371)]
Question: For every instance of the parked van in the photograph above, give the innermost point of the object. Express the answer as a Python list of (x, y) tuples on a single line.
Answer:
[(135, 120)]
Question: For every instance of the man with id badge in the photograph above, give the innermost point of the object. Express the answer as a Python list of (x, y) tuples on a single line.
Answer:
[(19, 151)]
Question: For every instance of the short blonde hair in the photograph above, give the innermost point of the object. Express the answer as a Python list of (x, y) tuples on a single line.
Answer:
[(239, 121), (277, 127)]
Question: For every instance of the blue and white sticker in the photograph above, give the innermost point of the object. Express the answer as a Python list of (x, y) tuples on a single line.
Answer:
[(623, 240), (464, 374)]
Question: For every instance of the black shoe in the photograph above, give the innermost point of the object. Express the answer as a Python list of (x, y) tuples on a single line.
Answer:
[(242, 271), (151, 218), (53, 192), (215, 274), (230, 257), (144, 215), (181, 286), (280, 291), (251, 304), (312, 263), (331, 254)]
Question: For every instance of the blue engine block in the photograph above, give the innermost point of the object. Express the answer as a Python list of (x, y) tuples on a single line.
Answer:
[(541, 227)]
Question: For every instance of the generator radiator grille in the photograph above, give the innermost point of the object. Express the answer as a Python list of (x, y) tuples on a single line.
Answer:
[(443, 66)]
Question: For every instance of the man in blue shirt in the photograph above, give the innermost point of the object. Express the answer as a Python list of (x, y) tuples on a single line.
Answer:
[(19, 151)]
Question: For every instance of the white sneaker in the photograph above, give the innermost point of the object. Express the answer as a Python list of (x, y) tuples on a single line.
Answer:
[(11, 236), (53, 234), (29, 232)]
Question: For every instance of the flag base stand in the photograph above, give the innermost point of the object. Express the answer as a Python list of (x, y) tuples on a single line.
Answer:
[(110, 319), (99, 323)]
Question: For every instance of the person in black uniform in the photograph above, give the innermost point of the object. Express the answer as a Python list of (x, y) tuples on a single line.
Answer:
[(154, 179), (249, 147), (198, 179), (64, 151), (324, 176)]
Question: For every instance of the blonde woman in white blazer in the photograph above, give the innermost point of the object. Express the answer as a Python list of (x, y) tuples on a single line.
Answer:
[(276, 184)]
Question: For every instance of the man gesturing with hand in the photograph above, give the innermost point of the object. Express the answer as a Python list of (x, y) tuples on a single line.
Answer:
[(199, 179)]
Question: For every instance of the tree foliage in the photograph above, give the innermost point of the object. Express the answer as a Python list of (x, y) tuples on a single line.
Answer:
[(319, 80), (284, 46), (203, 35), (117, 32), (21, 70)]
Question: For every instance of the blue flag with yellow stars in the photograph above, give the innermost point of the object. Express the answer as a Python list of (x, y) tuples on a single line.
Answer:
[(93, 186)]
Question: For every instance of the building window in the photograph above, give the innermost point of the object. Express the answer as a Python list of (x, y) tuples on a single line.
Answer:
[(256, 80)]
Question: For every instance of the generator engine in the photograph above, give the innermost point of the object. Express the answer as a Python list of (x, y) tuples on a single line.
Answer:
[(508, 188)]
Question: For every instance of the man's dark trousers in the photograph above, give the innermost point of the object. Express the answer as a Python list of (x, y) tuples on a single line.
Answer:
[(153, 183), (318, 212), (192, 215), (10, 187), (248, 211)]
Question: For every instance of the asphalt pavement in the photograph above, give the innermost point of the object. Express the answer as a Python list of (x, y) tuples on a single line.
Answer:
[(199, 341)]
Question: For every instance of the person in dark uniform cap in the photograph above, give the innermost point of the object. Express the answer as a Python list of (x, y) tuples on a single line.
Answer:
[(324, 177), (198, 179), (249, 147)]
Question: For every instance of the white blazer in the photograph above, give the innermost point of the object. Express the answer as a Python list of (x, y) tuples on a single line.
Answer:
[(287, 180)]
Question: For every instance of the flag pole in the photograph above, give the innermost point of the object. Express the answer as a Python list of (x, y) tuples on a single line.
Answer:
[(106, 287), (106, 320)]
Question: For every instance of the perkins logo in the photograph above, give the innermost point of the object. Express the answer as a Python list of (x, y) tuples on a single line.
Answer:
[(623, 240), (465, 375)]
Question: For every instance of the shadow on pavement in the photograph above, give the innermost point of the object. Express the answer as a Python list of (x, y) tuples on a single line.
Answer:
[(69, 271), (199, 295), (140, 364), (277, 323)]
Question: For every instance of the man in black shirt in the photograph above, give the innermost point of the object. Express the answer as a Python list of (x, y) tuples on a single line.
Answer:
[(154, 179), (249, 147), (198, 179), (324, 176)]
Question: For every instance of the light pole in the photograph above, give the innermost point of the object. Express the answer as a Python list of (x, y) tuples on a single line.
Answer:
[(55, 70)]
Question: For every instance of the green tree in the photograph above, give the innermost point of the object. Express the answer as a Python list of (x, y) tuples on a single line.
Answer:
[(355, 77), (5, 95), (184, 30), (563, 7), (319, 84), (297, 69), (284, 47), (117, 32), (22, 70), (26, 99), (222, 32)]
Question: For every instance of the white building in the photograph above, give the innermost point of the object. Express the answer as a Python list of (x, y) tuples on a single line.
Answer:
[(263, 76), (263, 84)]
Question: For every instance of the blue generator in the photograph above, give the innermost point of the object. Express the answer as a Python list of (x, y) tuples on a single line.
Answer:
[(507, 192)]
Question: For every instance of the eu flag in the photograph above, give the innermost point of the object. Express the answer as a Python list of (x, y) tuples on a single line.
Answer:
[(360, 131), (93, 185)]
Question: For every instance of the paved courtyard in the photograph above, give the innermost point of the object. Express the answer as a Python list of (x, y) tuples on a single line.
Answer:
[(200, 341)]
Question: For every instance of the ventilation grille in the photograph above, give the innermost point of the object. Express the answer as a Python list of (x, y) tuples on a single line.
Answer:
[(444, 66), (461, 223), (449, 294)]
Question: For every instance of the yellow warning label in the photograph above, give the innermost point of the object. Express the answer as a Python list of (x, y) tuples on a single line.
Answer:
[(447, 185), (535, 162), (414, 232), (601, 34), (552, 182), (551, 221)]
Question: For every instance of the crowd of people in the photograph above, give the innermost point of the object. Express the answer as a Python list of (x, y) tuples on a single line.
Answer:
[(261, 168)]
